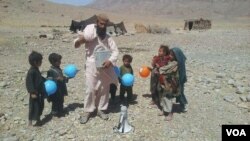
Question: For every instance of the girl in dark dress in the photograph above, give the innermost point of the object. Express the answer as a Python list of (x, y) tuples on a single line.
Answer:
[(172, 85), (179, 56)]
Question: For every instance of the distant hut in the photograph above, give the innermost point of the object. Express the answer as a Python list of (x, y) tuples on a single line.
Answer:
[(197, 24), (140, 28)]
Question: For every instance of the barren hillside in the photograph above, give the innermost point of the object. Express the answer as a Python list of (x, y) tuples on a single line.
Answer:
[(214, 9)]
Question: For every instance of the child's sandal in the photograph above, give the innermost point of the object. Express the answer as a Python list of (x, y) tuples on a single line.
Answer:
[(152, 103)]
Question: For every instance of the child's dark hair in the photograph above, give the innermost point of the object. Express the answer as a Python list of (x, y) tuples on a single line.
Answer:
[(127, 56), (54, 57), (35, 57), (165, 49)]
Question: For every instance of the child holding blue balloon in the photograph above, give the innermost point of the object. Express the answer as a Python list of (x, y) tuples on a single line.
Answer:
[(126, 68), (55, 73), (35, 87)]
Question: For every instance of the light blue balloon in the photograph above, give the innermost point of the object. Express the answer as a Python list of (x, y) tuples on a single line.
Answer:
[(127, 79), (117, 71), (70, 70), (50, 87)]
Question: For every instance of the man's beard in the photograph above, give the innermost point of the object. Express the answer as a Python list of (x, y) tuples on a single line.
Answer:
[(101, 32)]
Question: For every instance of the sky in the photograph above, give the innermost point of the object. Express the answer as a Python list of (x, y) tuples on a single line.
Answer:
[(73, 2)]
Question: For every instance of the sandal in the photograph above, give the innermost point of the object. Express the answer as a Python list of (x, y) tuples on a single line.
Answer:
[(103, 115), (84, 119), (152, 103)]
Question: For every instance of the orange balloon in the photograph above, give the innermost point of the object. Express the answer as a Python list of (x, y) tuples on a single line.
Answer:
[(144, 71)]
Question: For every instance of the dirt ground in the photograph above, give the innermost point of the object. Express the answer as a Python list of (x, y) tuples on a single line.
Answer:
[(217, 67)]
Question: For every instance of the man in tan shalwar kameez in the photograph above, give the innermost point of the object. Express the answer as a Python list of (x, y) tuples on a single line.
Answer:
[(97, 80)]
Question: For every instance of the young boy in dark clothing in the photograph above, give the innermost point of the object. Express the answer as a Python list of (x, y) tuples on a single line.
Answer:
[(126, 68), (35, 87), (55, 73)]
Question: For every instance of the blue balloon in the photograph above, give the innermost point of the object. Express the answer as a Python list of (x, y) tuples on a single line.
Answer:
[(117, 71), (70, 70), (127, 79), (50, 87)]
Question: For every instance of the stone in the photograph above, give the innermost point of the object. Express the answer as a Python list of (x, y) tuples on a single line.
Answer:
[(222, 75), (66, 40), (19, 71), (173, 134), (208, 81), (22, 122), (3, 84), (6, 128), (2, 121), (217, 87), (17, 118), (207, 92), (238, 84), (217, 90), (11, 139), (248, 97), (1, 115), (240, 90), (248, 90), (24, 43), (62, 132), (30, 138), (70, 136), (243, 105), (230, 82), (42, 36), (229, 99), (243, 98), (50, 36), (17, 90)]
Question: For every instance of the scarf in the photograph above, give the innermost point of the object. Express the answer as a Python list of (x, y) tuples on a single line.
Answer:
[(181, 59)]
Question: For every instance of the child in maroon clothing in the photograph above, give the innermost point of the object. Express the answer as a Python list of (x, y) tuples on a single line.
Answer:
[(162, 59), (158, 61)]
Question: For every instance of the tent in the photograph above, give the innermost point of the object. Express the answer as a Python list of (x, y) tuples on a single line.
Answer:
[(112, 29), (75, 25)]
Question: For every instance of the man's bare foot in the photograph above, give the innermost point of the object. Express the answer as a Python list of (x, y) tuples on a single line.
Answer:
[(169, 117)]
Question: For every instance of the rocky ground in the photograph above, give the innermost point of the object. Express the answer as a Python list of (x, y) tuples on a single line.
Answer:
[(217, 90)]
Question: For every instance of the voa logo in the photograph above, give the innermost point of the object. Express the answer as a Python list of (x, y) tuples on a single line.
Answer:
[(236, 132)]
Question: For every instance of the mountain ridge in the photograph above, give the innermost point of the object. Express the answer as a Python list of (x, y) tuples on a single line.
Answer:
[(214, 9)]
